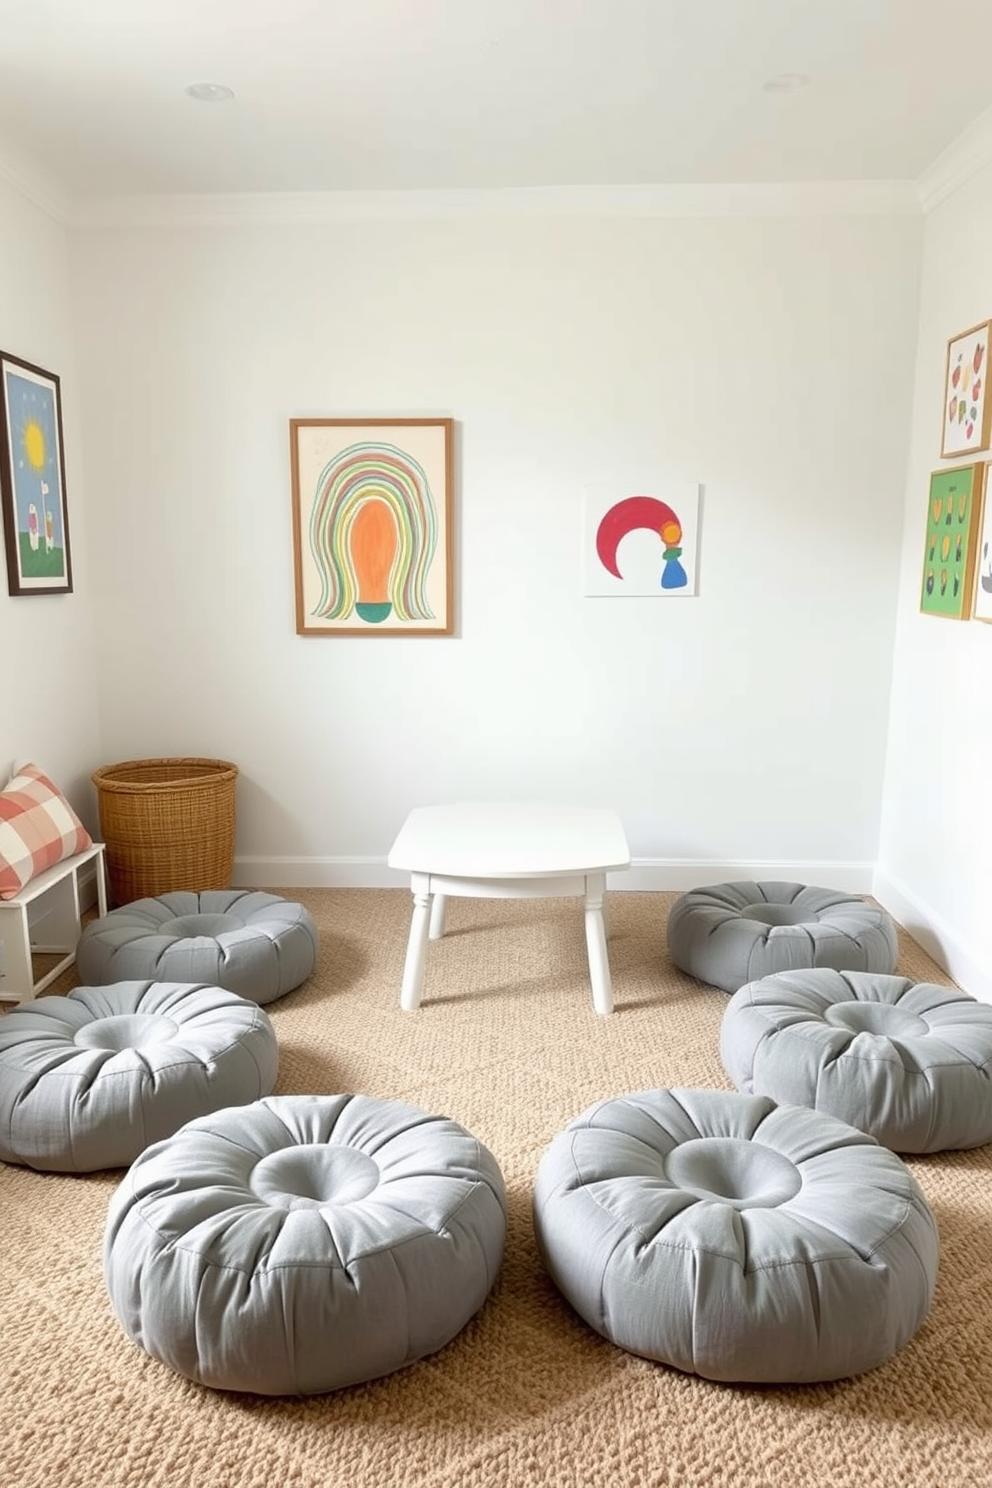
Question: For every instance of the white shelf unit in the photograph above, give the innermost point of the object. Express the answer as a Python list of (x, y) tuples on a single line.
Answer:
[(47, 907)]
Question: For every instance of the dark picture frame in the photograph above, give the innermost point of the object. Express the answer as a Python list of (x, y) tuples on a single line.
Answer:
[(32, 480)]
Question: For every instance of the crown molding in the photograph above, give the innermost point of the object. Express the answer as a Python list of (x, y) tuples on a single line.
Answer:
[(36, 185), (964, 157), (800, 199)]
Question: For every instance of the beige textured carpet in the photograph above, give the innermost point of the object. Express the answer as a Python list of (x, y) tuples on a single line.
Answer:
[(506, 1042)]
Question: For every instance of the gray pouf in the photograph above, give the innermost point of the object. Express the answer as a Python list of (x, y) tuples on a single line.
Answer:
[(736, 1239), (255, 944), (89, 1080), (909, 1063), (732, 933), (304, 1243)]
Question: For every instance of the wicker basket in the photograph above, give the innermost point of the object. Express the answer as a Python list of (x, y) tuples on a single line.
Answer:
[(168, 824)]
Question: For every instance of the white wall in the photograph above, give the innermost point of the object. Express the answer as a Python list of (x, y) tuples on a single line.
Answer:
[(770, 359), (48, 709), (935, 856)]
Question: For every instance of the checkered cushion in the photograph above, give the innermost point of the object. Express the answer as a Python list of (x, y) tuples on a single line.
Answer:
[(38, 828)]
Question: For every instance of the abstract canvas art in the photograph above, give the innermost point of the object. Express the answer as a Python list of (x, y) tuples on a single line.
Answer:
[(640, 543)]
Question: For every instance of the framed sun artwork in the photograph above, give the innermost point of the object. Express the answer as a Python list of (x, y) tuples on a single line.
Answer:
[(32, 480), (967, 422)]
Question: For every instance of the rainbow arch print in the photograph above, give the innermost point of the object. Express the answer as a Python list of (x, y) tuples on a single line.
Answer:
[(641, 545), (372, 547)]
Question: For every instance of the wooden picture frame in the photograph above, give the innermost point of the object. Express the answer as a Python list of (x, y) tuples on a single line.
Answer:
[(373, 525), (32, 480), (981, 608), (951, 542), (967, 415)]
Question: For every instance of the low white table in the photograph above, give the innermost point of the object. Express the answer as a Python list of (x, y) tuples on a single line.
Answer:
[(507, 852)]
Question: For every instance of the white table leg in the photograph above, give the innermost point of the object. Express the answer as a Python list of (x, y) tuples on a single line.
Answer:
[(438, 908), (599, 965), (413, 970)]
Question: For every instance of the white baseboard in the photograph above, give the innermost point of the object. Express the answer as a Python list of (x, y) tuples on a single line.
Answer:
[(661, 875), (935, 935)]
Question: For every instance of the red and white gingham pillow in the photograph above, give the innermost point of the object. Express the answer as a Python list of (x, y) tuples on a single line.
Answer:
[(38, 828)]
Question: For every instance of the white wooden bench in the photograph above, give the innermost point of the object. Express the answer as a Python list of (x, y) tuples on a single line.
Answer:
[(48, 907)]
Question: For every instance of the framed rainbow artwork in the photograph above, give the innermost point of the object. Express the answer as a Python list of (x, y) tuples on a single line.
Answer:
[(640, 542), (951, 542), (372, 526)]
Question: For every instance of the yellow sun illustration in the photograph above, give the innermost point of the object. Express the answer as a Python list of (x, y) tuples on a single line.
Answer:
[(34, 444)]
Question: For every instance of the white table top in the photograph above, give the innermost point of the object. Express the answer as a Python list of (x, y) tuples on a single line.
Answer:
[(510, 841)]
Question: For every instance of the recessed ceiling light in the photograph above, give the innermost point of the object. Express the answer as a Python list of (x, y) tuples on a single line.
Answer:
[(786, 82), (209, 92)]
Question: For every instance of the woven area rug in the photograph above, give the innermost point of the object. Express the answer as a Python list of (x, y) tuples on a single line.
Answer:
[(507, 1043)]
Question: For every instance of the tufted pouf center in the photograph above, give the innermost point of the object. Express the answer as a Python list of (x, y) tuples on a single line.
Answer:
[(733, 1171), (125, 1031), (778, 914), (202, 924), (875, 1017), (312, 1176)]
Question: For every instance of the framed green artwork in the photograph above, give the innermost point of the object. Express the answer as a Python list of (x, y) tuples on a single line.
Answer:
[(951, 541)]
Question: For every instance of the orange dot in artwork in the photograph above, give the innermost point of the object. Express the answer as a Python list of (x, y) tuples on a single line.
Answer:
[(671, 534), (373, 547)]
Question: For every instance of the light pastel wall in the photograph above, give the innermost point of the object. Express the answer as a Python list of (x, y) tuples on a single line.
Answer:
[(768, 358), (48, 661), (935, 850)]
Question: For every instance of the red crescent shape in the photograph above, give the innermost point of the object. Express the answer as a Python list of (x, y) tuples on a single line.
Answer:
[(626, 516)]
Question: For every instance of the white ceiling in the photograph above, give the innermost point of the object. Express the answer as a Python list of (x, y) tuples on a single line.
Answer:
[(431, 94)]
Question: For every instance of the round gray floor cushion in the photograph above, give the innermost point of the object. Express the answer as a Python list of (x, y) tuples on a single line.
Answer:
[(252, 943), (304, 1243), (910, 1063), (732, 933), (89, 1080), (736, 1239)]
